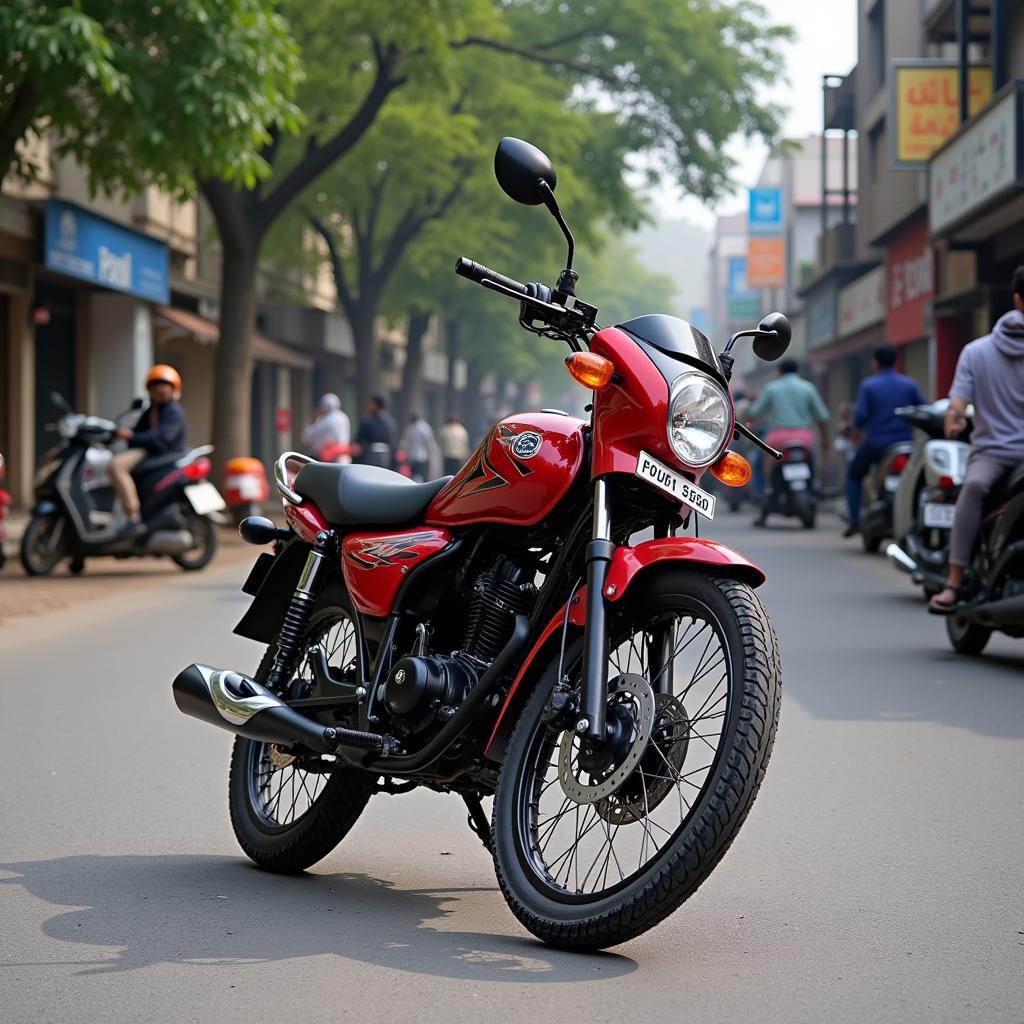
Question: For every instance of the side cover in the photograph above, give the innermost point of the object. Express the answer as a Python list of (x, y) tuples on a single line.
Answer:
[(375, 564), (517, 475)]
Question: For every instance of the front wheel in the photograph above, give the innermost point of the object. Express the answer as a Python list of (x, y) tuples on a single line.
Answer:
[(595, 846), (43, 544), (204, 542)]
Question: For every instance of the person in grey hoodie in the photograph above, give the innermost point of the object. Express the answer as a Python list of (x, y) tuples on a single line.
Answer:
[(989, 374)]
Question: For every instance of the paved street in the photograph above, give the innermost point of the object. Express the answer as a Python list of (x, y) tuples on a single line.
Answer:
[(879, 877)]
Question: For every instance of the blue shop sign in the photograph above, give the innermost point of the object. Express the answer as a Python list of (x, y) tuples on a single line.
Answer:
[(764, 212), (82, 245), (736, 286)]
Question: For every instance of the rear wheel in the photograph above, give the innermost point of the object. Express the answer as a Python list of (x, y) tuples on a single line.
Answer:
[(966, 637), (43, 544), (204, 542), (593, 848), (287, 812), (805, 509)]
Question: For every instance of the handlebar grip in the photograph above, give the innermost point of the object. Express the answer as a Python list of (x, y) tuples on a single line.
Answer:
[(479, 273)]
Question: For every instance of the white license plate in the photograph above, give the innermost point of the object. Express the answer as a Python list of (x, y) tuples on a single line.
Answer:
[(940, 516), (204, 498), (796, 471), (892, 483), (675, 485)]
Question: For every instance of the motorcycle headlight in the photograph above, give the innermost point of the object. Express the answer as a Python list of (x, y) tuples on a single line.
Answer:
[(700, 419)]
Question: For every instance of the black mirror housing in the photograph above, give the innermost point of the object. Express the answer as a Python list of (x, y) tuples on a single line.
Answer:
[(772, 340), (519, 167)]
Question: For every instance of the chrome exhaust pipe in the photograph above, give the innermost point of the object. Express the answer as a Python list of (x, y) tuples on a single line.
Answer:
[(1006, 612), (240, 705), (901, 559)]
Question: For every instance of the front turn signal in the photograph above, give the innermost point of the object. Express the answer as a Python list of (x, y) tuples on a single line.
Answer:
[(732, 470), (590, 369)]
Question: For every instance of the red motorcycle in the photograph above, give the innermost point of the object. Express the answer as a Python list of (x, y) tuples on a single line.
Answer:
[(508, 631)]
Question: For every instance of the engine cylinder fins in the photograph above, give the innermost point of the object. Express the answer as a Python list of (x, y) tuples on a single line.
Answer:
[(498, 596)]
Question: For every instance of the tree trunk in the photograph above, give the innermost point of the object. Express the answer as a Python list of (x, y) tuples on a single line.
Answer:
[(362, 320), (451, 398), (411, 395), (233, 355)]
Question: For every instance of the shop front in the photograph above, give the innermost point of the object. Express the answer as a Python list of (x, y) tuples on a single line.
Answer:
[(910, 290)]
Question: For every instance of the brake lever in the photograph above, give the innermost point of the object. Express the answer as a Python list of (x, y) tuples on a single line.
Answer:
[(739, 428)]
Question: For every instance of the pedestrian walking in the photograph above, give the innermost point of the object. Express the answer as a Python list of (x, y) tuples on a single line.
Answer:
[(328, 428), (876, 424), (419, 446), (454, 440), (375, 438), (989, 375), (788, 408)]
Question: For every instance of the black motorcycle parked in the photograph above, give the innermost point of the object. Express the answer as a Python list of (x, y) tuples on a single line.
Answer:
[(790, 486), (994, 583), (876, 521), (75, 514)]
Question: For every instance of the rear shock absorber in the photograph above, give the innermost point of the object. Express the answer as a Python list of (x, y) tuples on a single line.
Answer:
[(296, 619)]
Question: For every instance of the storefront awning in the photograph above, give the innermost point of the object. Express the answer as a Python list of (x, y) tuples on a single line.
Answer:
[(207, 332)]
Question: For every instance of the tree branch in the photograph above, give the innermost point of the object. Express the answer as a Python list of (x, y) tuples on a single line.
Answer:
[(345, 296), (21, 112), (534, 55), (319, 157)]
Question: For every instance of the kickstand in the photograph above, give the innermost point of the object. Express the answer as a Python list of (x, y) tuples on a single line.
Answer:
[(477, 820)]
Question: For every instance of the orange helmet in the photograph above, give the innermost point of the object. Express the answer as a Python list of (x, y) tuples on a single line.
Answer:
[(164, 374)]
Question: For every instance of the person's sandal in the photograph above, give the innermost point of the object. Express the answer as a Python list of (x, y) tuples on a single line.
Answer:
[(937, 607)]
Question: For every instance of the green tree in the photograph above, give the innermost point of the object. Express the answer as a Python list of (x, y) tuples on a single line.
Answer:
[(680, 79), (142, 93)]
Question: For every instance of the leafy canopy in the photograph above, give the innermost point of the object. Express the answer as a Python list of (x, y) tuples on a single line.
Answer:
[(142, 92)]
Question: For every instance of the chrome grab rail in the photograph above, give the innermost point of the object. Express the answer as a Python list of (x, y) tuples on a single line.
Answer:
[(281, 475), (195, 453)]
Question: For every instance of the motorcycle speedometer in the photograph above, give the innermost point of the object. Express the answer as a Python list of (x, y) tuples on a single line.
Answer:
[(700, 419)]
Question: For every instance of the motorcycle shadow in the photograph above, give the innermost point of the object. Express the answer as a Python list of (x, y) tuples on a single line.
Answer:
[(220, 911)]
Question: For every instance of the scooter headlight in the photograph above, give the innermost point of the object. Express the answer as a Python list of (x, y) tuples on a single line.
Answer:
[(700, 419)]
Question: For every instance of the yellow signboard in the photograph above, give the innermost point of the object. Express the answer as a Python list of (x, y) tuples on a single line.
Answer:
[(926, 106)]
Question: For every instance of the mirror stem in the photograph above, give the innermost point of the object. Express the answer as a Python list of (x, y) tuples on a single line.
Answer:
[(552, 204)]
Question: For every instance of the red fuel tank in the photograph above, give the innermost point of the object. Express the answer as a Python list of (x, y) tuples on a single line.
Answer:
[(517, 475)]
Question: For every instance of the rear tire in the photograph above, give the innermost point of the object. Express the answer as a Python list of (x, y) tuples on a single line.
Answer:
[(966, 637), (570, 917), (805, 509), (42, 546), (871, 542), (204, 533)]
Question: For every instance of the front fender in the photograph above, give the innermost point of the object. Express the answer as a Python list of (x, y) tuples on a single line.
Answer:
[(628, 563)]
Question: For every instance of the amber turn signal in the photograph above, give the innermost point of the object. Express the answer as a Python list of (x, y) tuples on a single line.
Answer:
[(591, 370), (732, 470)]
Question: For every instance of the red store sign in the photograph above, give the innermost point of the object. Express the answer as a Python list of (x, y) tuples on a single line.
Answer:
[(909, 283)]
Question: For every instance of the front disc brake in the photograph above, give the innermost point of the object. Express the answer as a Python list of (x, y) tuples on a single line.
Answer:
[(631, 699)]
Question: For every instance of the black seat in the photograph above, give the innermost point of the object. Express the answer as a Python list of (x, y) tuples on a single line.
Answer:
[(1006, 487), (151, 463), (364, 495)]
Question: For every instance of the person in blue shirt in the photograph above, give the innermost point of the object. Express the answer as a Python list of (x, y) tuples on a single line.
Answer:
[(874, 417)]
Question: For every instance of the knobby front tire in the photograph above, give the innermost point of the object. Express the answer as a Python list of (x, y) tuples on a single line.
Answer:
[(585, 911)]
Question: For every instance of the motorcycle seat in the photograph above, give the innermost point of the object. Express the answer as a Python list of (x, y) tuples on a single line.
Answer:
[(1006, 487), (154, 462), (359, 495)]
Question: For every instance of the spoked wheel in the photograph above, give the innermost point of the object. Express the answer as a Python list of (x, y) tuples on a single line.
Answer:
[(595, 845), (289, 812), (204, 543)]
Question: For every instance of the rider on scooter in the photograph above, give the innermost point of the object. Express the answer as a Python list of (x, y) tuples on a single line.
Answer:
[(989, 374), (160, 429)]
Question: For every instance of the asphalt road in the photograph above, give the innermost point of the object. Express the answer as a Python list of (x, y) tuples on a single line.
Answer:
[(878, 878)]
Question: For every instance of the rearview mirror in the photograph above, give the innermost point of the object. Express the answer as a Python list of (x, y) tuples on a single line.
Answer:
[(60, 401), (519, 167), (772, 344)]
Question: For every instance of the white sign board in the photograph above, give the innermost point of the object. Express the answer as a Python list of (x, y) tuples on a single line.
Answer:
[(978, 165), (862, 303)]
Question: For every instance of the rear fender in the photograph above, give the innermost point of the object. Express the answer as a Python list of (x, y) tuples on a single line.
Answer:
[(272, 586), (628, 563)]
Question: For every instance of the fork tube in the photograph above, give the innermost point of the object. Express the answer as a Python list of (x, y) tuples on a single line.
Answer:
[(595, 637)]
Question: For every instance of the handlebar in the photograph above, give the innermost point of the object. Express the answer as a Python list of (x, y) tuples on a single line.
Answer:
[(481, 274)]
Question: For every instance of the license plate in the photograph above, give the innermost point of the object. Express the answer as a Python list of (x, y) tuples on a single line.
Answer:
[(796, 471), (940, 516), (204, 498), (675, 485), (892, 483)]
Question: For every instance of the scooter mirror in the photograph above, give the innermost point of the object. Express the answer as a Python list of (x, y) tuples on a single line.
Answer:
[(519, 167), (60, 401), (773, 343)]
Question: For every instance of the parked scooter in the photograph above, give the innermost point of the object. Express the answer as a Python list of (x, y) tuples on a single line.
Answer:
[(76, 515), (926, 498), (876, 521), (994, 582), (790, 486)]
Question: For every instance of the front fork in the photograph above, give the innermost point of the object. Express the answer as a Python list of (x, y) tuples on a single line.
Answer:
[(600, 550)]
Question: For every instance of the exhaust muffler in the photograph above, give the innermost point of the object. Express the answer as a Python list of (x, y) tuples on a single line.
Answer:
[(901, 559), (1008, 612), (240, 705)]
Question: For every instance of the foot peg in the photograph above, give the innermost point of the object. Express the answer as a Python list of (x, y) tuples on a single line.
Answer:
[(383, 745)]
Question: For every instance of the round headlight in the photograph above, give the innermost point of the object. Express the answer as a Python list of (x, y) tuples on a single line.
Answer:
[(700, 419)]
